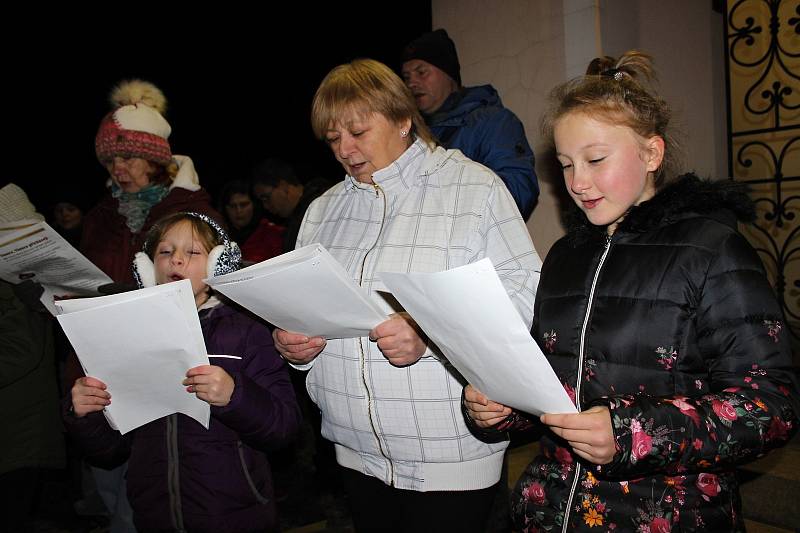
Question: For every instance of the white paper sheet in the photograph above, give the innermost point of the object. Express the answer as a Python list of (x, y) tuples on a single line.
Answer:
[(33, 250), (468, 314), (305, 290), (140, 344)]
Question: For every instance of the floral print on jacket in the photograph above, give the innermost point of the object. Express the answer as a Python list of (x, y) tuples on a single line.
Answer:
[(684, 343)]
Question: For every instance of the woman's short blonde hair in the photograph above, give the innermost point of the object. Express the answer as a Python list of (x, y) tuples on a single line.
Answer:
[(365, 86)]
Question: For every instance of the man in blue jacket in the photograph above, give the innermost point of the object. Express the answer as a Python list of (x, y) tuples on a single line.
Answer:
[(471, 119)]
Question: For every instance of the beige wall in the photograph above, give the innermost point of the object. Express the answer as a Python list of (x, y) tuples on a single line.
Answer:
[(685, 37), (526, 47), (517, 46)]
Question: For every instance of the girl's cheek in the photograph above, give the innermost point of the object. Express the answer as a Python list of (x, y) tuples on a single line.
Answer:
[(160, 271)]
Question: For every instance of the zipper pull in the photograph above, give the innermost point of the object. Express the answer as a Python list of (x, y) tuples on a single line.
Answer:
[(377, 189)]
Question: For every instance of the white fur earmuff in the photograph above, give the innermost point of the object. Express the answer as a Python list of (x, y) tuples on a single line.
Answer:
[(145, 271), (222, 259)]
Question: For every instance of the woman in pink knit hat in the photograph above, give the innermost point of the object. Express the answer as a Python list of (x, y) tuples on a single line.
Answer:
[(147, 181)]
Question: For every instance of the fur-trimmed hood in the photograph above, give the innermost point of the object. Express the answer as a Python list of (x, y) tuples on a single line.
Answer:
[(724, 200)]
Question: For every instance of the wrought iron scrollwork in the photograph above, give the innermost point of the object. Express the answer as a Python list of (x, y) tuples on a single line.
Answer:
[(763, 78)]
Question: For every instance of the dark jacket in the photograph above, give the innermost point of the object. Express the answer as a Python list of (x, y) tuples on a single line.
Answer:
[(474, 121), (31, 429), (184, 477), (109, 243), (675, 328)]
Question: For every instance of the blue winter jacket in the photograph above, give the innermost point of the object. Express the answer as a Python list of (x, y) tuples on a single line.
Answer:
[(474, 121)]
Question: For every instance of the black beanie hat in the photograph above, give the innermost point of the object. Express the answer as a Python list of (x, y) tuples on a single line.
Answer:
[(438, 49)]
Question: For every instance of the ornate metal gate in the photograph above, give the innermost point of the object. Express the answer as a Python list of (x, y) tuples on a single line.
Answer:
[(763, 89)]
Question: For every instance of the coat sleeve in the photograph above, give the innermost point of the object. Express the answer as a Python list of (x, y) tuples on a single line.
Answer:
[(263, 408), (506, 241), (506, 151), (102, 446), (22, 337), (752, 403)]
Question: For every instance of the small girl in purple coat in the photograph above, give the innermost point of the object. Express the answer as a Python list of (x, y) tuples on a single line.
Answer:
[(182, 477)]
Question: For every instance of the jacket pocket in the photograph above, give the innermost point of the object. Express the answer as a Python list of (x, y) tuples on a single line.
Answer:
[(260, 498)]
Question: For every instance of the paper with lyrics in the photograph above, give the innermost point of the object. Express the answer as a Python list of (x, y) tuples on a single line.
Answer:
[(32, 250), (467, 313), (306, 291), (140, 344)]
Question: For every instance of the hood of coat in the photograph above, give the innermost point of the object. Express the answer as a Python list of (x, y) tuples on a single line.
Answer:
[(726, 201), (461, 103)]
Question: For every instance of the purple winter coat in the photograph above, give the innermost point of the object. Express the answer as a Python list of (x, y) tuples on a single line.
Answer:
[(182, 477)]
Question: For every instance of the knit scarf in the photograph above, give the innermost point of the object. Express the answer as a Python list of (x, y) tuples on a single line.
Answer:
[(135, 206)]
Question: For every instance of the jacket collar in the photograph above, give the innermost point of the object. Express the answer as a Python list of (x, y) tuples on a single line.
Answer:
[(688, 196), (187, 175), (401, 173)]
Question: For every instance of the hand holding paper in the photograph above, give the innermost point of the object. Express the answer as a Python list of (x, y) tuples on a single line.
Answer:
[(468, 314), (589, 433), (211, 384), (297, 348), (140, 345), (400, 339), (483, 411), (89, 395)]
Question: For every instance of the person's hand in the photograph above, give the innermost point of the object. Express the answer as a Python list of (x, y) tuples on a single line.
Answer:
[(89, 395), (589, 433), (483, 411), (29, 293), (296, 347), (210, 383), (400, 339)]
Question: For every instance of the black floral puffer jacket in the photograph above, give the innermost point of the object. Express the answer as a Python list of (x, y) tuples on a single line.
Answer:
[(671, 323)]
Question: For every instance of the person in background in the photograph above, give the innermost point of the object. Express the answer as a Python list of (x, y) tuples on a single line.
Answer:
[(32, 440), (284, 196), (258, 237), (389, 400), (68, 221), (657, 317), (182, 476), (470, 119), (269, 175)]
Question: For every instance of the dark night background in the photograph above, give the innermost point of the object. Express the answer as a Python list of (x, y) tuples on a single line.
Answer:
[(238, 82)]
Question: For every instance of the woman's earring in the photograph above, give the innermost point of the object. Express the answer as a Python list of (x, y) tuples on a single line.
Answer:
[(403, 133)]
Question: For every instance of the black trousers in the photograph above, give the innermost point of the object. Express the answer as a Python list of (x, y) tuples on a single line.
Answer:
[(378, 507)]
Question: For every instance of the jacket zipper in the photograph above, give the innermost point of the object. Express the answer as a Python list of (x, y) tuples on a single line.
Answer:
[(579, 379), (363, 358), (173, 473)]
